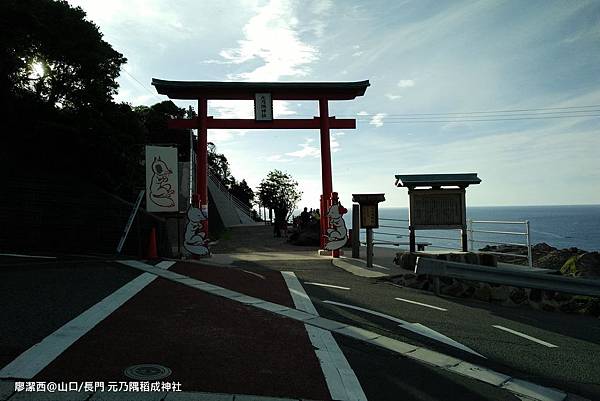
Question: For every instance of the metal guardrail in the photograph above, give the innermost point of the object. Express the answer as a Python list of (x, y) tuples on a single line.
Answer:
[(527, 234), (470, 232), (233, 199), (512, 276)]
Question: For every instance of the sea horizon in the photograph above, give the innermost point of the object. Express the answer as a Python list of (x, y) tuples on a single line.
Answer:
[(560, 226)]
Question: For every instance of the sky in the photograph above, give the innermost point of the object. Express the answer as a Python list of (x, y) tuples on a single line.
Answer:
[(449, 81)]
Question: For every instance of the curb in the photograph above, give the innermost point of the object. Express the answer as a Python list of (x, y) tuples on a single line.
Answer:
[(356, 270)]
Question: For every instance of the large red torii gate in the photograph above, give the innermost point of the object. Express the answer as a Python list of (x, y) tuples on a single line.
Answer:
[(202, 91)]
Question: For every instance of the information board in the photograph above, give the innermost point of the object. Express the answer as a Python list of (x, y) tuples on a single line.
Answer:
[(368, 216), (437, 209)]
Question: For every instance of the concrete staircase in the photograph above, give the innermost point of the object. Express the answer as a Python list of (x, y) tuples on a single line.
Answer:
[(232, 211)]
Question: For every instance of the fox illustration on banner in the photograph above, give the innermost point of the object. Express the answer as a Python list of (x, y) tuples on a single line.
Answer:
[(195, 241), (162, 181), (337, 233)]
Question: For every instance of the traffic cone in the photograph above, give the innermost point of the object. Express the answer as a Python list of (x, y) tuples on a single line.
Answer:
[(152, 251)]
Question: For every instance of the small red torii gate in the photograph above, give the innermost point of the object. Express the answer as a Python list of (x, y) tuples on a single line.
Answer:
[(202, 91)]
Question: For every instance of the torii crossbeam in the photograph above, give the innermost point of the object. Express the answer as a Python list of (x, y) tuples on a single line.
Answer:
[(323, 92)]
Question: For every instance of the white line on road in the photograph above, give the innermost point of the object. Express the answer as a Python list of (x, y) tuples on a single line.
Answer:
[(372, 312), (36, 358), (165, 264), (18, 255), (326, 285), (254, 274), (518, 333), (422, 304), (339, 376), (416, 328), (515, 386)]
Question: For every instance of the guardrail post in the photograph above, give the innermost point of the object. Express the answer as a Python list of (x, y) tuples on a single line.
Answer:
[(369, 247), (529, 253), (356, 231), (471, 233)]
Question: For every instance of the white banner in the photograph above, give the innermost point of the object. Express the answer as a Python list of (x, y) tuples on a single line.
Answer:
[(162, 186)]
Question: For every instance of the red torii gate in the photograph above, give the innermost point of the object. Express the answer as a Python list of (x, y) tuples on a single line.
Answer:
[(202, 91)]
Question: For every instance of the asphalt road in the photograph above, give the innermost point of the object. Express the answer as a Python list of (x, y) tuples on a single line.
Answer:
[(38, 296), (570, 366)]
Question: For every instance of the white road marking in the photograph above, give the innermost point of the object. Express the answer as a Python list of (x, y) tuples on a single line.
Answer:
[(339, 376), (518, 333), (18, 255), (165, 264), (515, 386), (254, 274), (416, 328), (422, 304), (326, 285), (372, 312), (36, 358)]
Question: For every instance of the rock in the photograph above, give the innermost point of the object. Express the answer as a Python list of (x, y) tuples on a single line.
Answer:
[(518, 295), (542, 249), (488, 260), (500, 294), (471, 258), (457, 257), (469, 291), (569, 307), (406, 260), (483, 293), (556, 259), (454, 290), (535, 295), (562, 297)]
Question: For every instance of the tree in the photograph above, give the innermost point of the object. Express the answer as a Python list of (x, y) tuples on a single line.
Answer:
[(218, 165), (57, 79), (279, 191), (242, 191), (48, 48), (155, 119)]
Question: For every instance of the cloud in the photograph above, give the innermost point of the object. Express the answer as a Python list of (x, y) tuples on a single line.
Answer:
[(377, 119), (307, 150), (406, 83), (278, 158), (271, 36), (362, 113), (220, 136), (392, 96), (319, 8)]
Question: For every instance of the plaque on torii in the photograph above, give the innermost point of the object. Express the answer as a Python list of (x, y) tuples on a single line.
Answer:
[(263, 94)]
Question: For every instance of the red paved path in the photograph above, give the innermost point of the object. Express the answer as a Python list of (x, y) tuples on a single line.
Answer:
[(212, 344), (271, 288)]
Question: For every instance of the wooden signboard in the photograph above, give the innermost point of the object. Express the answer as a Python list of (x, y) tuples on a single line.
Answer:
[(369, 216), (437, 209)]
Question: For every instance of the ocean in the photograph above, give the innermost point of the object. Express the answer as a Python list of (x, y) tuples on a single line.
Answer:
[(558, 226)]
